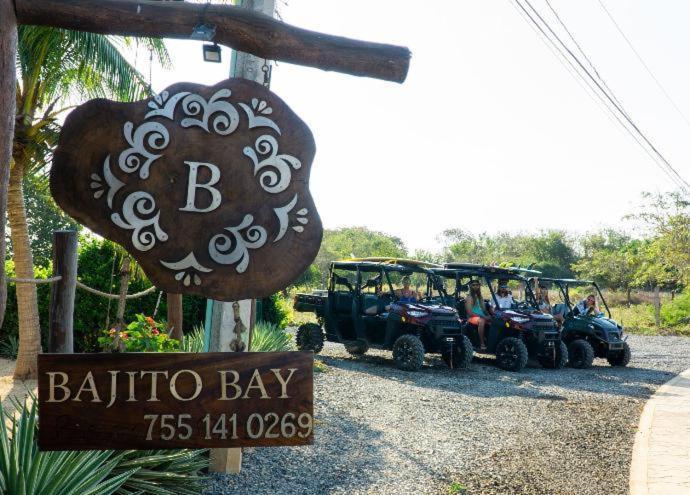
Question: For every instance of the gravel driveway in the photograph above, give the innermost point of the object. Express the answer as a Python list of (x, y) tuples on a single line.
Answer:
[(384, 431)]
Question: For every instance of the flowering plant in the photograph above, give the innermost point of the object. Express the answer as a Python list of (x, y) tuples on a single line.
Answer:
[(142, 335)]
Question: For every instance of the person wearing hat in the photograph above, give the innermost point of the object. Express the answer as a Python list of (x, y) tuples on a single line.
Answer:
[(504, 298), (477, 312)]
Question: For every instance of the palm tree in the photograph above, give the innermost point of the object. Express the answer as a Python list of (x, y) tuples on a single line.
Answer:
[(56, 67)]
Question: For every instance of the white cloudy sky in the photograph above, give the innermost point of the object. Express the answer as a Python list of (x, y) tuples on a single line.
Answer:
[(489, 132)]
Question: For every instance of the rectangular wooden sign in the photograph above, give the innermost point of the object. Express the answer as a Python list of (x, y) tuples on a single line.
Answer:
[(175, 400)]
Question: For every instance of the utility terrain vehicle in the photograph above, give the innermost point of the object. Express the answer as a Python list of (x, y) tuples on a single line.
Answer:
[(363, 308), (589, 335), (515, 334)]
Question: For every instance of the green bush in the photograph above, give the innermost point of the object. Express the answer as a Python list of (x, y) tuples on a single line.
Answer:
[(677, 312), (142, 335), (277, 310), (92, 311), (10, 324), (9, 347), (268, 337)]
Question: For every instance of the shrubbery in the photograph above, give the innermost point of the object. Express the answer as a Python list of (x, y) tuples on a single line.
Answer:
[(268, 337), (677, 312), (26, 470), (91, 311), (142, 335), (277, 310)]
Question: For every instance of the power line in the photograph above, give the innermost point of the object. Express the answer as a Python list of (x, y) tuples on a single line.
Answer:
[(604, 92), (683, 184), (586, 85), (533, 22), (584, 54), (644, 64)]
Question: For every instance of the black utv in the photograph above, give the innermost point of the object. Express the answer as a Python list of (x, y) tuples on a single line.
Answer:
[(518, 331), (364, 308), (586, 334)]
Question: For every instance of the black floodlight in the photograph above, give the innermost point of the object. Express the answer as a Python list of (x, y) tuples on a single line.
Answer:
[(212, 53)]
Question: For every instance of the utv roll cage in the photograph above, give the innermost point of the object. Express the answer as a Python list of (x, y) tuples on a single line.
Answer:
[(461, 271), (564, 285), (386, 266)]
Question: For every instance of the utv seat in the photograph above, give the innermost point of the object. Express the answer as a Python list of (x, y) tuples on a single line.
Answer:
[(372, 300), (559, 308), (462, 310), (343, 302)]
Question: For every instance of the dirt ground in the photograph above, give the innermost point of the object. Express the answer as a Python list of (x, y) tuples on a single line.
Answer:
[(10, 388)]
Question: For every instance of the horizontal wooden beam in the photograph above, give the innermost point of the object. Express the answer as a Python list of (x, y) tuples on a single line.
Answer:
[(241, 29)]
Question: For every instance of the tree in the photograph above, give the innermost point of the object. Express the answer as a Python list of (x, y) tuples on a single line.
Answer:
[(551, 251), (666, 220), (612, 259), (54, 66), (358, 242)]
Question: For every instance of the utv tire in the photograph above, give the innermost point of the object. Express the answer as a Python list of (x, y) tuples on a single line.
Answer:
[(408, 352), (580, 354), (559, 360), (619, 358), (310, 338), (357, 347), (511, 354), (461, 356)]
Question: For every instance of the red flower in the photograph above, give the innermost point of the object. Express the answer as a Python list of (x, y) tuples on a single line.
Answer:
[(155, 331)]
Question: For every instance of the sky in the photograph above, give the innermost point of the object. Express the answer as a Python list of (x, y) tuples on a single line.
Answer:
[(489, 132)]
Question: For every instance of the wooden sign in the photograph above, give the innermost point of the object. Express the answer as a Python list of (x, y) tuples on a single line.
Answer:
[(207, 187), (175, 400)]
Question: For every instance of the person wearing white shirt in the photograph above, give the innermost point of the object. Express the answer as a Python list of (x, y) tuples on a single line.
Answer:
[(503, 297)]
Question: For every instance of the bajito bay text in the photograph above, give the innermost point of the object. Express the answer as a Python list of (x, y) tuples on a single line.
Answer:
[(152, 400)]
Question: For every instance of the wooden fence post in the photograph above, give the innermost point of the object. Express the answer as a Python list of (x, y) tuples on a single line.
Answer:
[(657, 306), (175, 315), (60, 337)]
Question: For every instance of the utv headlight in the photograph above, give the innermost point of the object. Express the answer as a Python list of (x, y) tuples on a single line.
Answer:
[(417, 314), (519, 319)]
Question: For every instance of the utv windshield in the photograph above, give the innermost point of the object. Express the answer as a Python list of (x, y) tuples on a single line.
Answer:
[(502, 291)]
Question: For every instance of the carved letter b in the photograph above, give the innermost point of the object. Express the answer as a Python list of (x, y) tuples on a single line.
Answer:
[(193, 185)]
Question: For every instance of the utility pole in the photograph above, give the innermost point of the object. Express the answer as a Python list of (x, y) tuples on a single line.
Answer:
[(224, 315)]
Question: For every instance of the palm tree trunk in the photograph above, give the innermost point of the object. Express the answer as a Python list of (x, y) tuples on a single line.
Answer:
[(8, 56), (27, 303)]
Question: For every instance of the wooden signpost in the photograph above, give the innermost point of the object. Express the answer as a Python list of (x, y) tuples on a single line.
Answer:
[(175, 400), (236, 28), (207, 187)]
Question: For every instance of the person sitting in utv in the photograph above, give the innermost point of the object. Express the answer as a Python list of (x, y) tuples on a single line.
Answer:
[(477, 313), (545, 306), (588, 306), (407, 295), (504, 297)]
